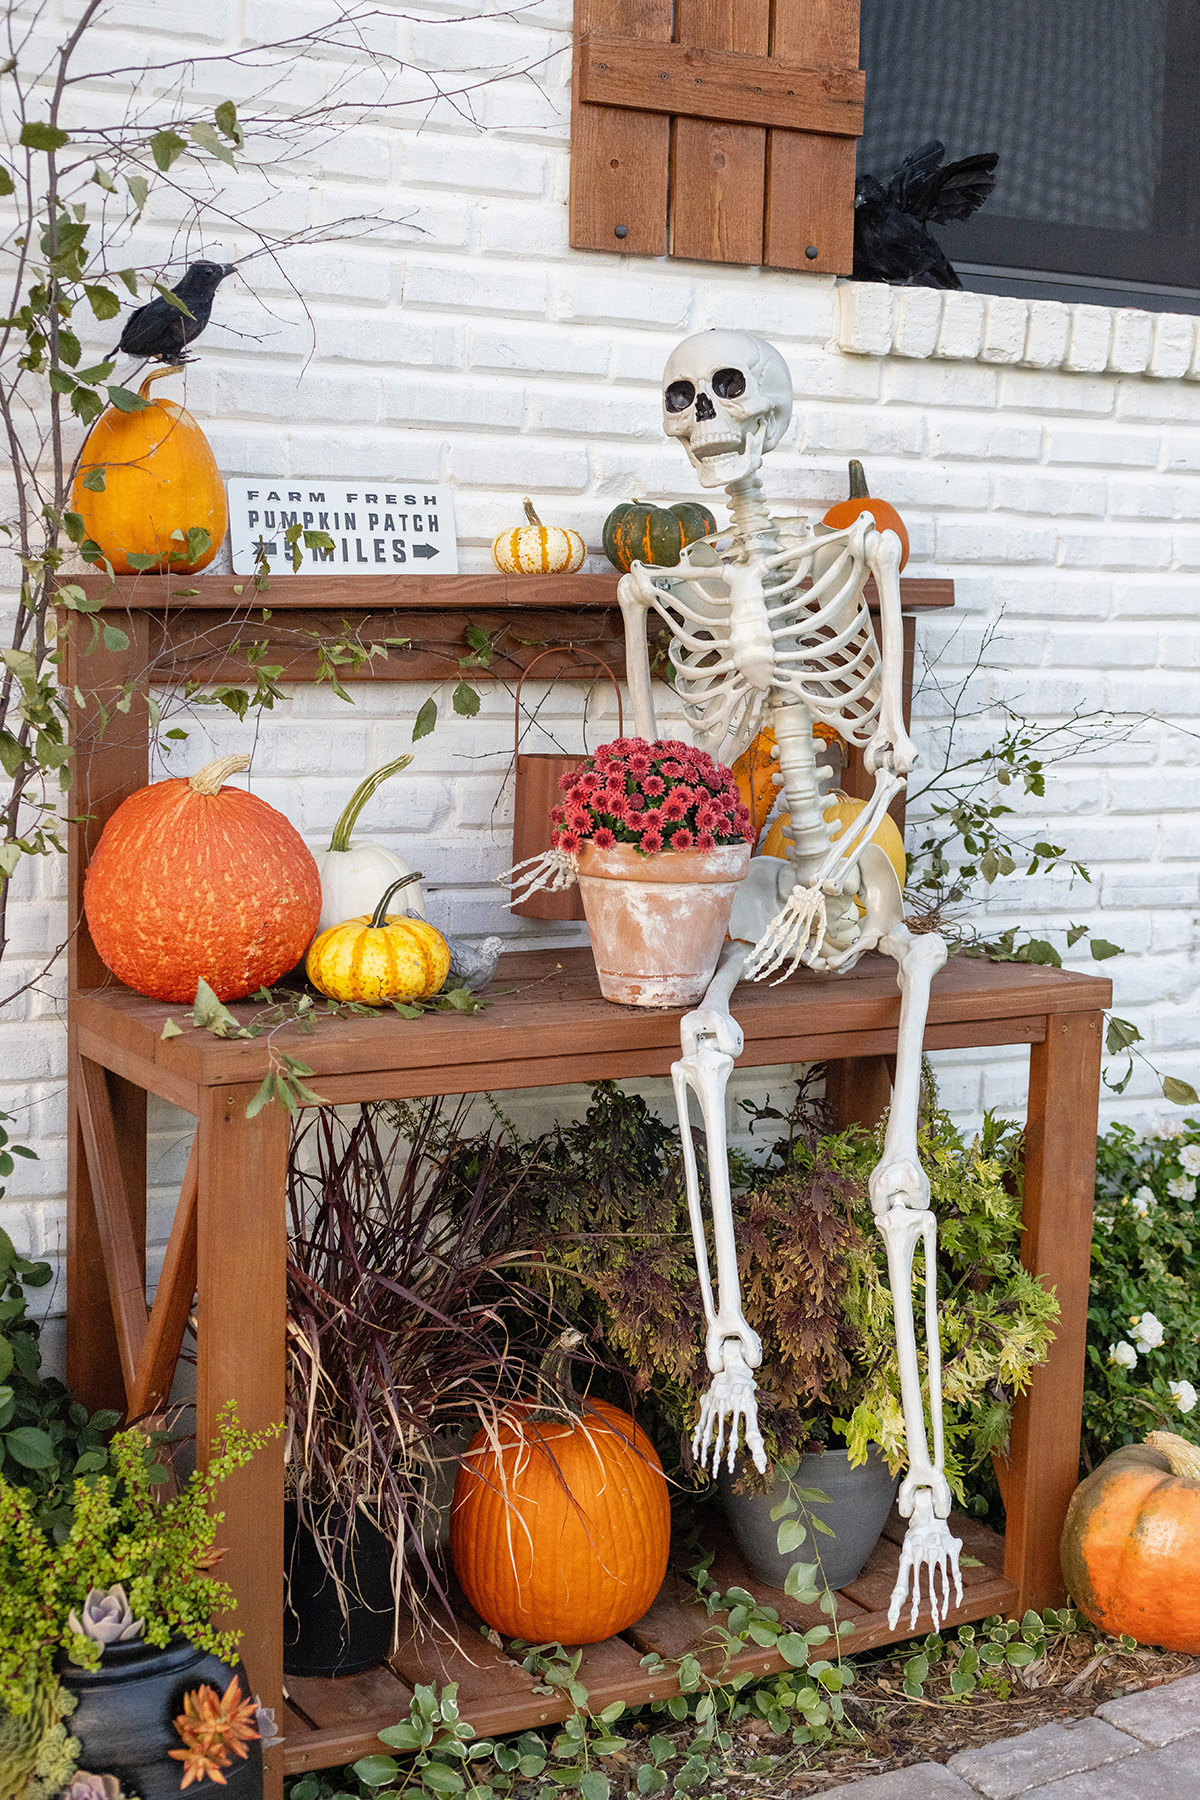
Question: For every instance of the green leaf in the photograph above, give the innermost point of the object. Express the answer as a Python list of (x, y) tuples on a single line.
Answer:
[(376, 1771), (104, 305), (6, 181), (1102, 949), (165, 146), (466, 700), (441, 1780), (170, 1030), (129, 276), (1118, 1036), (425, 721), (38, 134), (115, 638), (263, 1097), (206, 137), (12, 757), (792, 1533), (594, 1785), (227, 122), (6, 1360), (126, 401), (32, 1448), (103, 179), (650, 1780), (142, 560), (172, 299), (93, 481), (793, 1649), (1179, 1093), (91, 1462)]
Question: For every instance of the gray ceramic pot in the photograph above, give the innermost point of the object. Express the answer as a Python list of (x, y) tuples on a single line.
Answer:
[(859, 1502)]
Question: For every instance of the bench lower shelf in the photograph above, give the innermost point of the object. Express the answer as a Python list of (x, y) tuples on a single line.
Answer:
[(335, 1721)]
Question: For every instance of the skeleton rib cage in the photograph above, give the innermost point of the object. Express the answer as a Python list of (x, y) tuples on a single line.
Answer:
[(823, 642)]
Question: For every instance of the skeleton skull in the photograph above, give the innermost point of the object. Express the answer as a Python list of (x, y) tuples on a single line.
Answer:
[(728, 397)]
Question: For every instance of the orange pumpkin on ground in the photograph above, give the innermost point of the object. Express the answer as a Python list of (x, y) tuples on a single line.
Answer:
[(560, 1525), (883, 512), (160, 476), (1131, 1543), (191, 879)]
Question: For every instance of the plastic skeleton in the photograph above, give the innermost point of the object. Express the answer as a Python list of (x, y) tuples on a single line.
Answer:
[(775, 629)]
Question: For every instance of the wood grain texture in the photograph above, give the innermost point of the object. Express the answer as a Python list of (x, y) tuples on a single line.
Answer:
[(120, 1222), (810, 178), (689, 79), (1060, 1178), (95, 1368), (620, 160), (241, 1315), (172, 1303), (717, 166), (859, 1088)]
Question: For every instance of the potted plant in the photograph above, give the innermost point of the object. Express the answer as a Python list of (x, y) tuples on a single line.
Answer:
[(661, 839), (112, 1674)]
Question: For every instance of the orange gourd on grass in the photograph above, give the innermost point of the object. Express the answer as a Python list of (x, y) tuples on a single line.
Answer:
[(845, 512), (560, 1525), (160, 476), (192, 880), (1131, 1543)]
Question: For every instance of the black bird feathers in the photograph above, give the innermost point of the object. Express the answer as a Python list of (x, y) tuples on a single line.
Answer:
[(891, 242), (160, 330)]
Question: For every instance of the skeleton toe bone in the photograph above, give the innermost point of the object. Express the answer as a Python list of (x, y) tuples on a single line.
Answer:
[(929, 1545), (730, 1402)]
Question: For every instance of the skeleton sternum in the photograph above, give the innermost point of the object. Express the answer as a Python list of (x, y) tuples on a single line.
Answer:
[(755, 535), (798, 765)]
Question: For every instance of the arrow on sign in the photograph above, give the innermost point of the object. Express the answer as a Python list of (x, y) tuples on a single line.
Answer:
[(424, 550)]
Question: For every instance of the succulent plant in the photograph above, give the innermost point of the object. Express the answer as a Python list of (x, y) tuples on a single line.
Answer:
[(107, 1617), (85, 1786)]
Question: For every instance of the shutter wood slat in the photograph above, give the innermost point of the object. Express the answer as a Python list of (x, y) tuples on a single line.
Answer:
[(620, 160), (687, 79), (718, 169), (810, 177)]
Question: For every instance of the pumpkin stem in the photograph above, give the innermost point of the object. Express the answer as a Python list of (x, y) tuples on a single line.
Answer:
[(1183, 1457), (157, 375), (531, 515), (358, 799), (556, 1371), (858, 482), (379, 916), (210, 779)]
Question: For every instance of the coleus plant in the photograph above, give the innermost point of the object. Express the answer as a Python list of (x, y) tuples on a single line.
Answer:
[(656, 796)]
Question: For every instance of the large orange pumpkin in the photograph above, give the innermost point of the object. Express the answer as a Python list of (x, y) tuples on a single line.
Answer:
[(882, 511), (160, 476), (193, 879), (560, 1525), (1131, 1543)]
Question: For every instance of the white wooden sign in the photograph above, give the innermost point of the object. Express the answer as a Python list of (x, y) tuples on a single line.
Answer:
[(378, 527)]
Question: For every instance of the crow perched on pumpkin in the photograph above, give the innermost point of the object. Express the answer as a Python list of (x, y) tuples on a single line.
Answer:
[(159, 330), (891, 242)]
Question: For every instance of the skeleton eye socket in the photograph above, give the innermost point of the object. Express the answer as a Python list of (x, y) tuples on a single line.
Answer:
[(679, 396), (728, 383)]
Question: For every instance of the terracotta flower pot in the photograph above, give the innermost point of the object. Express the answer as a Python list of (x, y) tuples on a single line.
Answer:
[(657, 923)]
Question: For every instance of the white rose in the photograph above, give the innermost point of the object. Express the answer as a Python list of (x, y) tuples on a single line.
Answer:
[(1180, 1188), (1183, 1394), (1189, 1156), (1143, 1200), (1148, 1332), (1123, 1354)]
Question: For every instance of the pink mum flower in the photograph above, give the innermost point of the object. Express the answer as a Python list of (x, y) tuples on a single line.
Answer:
[(654, 785), (675, 805), (704, 840), (651, 842), (634, 803), (682, 839), (639, 764), (603, 838), (652, 818), (568, 841), (673, 770)]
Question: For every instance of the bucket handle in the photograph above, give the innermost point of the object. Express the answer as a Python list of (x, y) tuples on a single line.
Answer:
[(555, 650)]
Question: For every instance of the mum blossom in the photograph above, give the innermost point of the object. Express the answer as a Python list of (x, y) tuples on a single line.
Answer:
[(1189, 1157), (1180, 1187), (1123, 1354), (1143, 1200), (1183, 1394), (1148, 1332)]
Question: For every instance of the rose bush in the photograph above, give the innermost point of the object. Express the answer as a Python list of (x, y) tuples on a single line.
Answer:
[(659, 796)]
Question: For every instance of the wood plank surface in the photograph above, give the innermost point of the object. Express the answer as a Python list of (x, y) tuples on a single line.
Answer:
[(556, 1013), (620, 160), (810, 176), (687, 79), (718, 166), (1060, 1178), (172, 1303), (120, 1217), (376, 1696)]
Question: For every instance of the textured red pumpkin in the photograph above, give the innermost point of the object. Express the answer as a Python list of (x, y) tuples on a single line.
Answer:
[(191, 879), (561, 1526)]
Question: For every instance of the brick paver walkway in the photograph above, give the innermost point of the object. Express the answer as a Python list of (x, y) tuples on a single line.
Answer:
[(1145, 1747)]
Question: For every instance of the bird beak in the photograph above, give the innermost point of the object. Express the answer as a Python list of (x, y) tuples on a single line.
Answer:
[(229, 269)]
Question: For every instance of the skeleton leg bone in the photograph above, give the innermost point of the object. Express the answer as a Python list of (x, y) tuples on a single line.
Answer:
[(899, 1190), (711, 1041)]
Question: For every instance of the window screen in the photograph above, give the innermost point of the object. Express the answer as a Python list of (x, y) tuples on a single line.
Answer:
[(1091, 105)]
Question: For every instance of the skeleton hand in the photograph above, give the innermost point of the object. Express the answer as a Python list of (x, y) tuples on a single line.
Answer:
[(928, 1545), (730, 1396)]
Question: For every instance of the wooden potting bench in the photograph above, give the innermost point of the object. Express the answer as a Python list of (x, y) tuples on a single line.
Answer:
[(226, 1257)]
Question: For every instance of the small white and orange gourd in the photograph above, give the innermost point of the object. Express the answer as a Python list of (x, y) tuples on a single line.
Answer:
[(375, 960), (537, 549)]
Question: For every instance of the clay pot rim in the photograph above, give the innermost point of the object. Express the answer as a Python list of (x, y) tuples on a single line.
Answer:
[(625, 862)]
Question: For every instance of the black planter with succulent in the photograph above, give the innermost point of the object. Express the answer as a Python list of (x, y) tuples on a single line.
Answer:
[(113, 1679)]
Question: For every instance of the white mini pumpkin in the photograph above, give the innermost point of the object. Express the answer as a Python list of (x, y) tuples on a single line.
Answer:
[(355, 876)]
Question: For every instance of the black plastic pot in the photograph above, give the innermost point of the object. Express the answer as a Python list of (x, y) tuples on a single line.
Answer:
[(125, 1719), (329, 1630)]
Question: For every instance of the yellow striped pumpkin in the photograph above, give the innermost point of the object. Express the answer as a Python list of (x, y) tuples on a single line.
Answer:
[(388, 956), (537, 549)]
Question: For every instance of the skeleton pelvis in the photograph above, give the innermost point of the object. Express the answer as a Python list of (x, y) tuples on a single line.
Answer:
[(843, 809)]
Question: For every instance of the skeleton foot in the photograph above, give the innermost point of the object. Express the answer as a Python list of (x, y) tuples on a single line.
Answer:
[(797, 930), (730, 1396), (928, 1545)]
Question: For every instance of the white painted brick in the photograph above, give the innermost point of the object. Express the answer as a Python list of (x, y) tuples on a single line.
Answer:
[(1140, 397), (948, 384), (866, 318), (1004, 329), (527, 464), (1150, 600), (1047, 334), (1149, 499), (1132, 330), (538, 352), (428, 400), (1108, 648), (994, 541), (1090, 338), (405, 341), (465, 289), (1049, 494), (984, 437), (1174, 342), (630, 299), (481, 164), (1181, 450), (1095, 444), (787, 306), (961, 331), (889, 432), (606, 414), (918, 321), (1099, 547), (1034, 391), (509, 229)]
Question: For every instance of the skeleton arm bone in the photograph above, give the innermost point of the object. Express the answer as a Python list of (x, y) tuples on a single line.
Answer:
[(635, 596), (883, 556)]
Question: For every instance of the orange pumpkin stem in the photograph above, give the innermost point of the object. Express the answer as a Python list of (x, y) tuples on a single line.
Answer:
[(858, 482), (211, 778), (1183, 1457), (380, 916), (157, 375)]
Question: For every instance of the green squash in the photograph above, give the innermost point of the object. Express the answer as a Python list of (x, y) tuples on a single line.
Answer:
[(639, 531)]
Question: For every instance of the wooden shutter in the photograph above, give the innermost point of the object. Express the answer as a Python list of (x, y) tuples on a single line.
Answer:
[(722, 130)]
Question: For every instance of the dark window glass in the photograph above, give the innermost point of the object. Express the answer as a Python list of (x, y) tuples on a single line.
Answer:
[(1092, 105)]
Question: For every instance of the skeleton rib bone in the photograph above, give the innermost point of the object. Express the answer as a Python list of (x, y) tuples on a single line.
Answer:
[(768, 621)]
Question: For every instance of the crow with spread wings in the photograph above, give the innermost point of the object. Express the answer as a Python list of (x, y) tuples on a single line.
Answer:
[(891, 242)]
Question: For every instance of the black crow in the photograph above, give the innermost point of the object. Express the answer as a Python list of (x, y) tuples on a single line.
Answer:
[(890, 239), (160, 330)]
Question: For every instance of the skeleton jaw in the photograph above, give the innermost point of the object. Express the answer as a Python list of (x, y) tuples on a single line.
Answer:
[(719, 458)]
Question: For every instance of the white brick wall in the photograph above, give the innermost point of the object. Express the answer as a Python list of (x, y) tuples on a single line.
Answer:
[(1047, 457)]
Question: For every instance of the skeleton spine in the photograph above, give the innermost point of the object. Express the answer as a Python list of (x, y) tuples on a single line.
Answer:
[(798, 765), (754, 528)]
